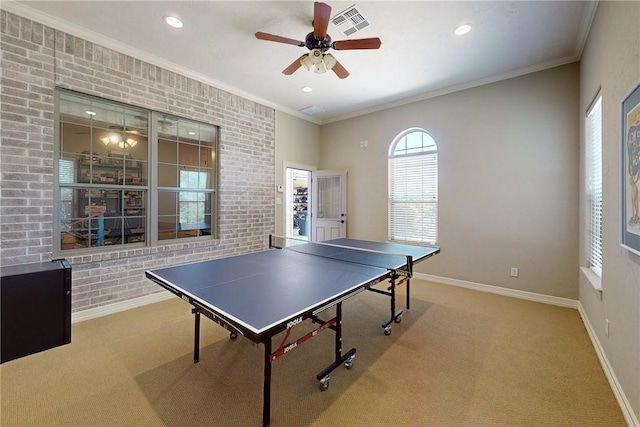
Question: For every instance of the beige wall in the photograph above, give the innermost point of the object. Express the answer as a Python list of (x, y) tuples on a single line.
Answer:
[(510, 188), (298, 145), (508, 179), (511, 191), (611, 61)]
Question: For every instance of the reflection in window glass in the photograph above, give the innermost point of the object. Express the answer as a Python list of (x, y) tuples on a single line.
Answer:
[(329, 197), (102, 172), (186, 179), (167, 151)]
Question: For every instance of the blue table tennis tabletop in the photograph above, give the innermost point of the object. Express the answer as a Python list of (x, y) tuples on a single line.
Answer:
[(262, 289), (261, 294)]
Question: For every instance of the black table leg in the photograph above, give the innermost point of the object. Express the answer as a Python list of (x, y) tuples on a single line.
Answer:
[(339, 358), (196, 339), (395, 316), (266, 391)]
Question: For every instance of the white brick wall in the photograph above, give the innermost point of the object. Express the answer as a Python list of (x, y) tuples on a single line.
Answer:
[(36, 59)]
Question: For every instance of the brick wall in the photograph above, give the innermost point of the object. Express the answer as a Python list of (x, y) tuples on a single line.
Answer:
[(35, 60)]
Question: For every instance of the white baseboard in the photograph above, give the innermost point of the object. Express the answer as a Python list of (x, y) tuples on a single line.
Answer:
[(531, 296), (625, 406), (92, 313), (623, 402)]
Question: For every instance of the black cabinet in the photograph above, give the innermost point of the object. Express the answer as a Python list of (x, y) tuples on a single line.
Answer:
[(35, 308)]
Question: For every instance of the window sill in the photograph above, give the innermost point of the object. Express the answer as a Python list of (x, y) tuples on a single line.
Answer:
[(128, 251), (594, 280)]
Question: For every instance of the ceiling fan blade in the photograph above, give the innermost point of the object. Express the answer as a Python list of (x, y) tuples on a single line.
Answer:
[(321, 15), (340, 71), (294, 66), (372, 43), (278, 39)]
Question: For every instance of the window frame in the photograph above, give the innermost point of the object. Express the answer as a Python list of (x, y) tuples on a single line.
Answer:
[(182, 142), (150, 182), (593, 187), (395, 230)]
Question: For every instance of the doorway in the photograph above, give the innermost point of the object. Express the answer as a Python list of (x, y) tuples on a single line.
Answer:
[(298, 203)]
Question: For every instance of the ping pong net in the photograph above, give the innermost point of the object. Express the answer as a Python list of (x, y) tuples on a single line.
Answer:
[(401, 264)]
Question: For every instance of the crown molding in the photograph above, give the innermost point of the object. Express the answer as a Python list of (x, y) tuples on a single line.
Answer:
[(22, 9), (457, 88), (585, 26)]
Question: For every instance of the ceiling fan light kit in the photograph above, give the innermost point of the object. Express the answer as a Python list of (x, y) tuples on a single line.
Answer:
[(318, 62), (320, 68), (319, 42), (329, 61)]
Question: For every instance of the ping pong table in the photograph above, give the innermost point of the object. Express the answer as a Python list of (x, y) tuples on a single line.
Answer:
[(261, 294)]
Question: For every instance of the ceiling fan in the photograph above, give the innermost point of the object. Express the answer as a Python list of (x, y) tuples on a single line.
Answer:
[(319, 42)]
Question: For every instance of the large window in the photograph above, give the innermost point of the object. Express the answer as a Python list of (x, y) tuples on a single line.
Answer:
[(104, 172), (594, 185), (413, 188)]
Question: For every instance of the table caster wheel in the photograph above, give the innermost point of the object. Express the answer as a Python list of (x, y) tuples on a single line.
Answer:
[(324, 383), (387, 330), (349, 362), (233, 335), (398, 319)]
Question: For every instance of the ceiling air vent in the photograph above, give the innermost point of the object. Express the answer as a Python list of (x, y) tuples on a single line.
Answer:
[(312, 110), (350, 21)]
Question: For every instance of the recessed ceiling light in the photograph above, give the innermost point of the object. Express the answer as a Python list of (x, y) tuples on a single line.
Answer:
[(91, 113), (192, 133), (307, 89), (173, 21), (462, 29)]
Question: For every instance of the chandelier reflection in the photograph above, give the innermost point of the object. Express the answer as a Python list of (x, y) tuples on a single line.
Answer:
[(117, 140)]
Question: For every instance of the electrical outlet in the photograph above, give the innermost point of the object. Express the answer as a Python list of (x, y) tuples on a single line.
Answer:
[(606, 327), (514, 272)]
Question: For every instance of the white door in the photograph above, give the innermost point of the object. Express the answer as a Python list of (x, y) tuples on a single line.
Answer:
[(329, 205)]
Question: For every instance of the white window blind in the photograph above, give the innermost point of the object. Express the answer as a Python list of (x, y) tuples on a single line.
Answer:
[(413, 189), (594, 185), (66, 175), (66, 171)]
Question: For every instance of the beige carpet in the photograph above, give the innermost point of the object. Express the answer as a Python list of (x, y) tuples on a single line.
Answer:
[(459, 358)]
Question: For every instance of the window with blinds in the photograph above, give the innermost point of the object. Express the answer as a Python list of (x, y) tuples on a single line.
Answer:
[(594, 184), (413, 188)]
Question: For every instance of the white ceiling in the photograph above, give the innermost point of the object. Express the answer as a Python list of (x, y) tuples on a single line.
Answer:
[(420, 56)]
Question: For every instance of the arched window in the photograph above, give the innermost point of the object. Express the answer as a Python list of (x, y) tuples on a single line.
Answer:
[(413, 187)]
